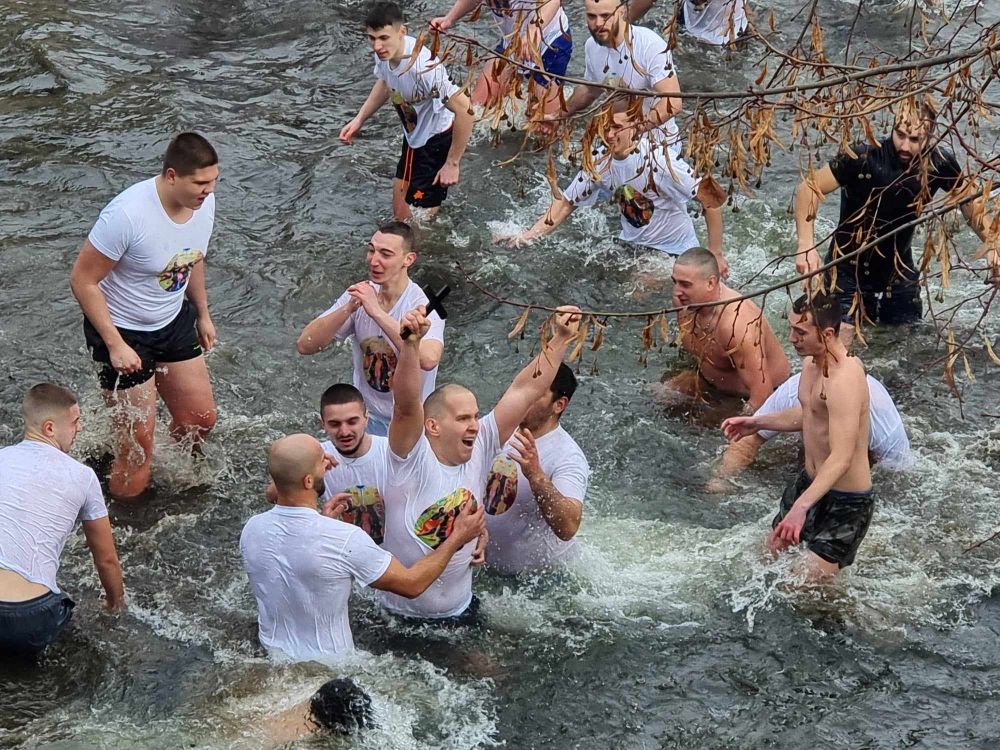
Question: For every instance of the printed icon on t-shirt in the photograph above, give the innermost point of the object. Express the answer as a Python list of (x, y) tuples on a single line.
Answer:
[(367, 511), (405, 110), (635, 207), (379, 363), (175, 276), (501, 487), (435, 523)]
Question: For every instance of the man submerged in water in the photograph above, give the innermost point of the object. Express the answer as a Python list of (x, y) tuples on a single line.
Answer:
[(828, 507), (340, 706)]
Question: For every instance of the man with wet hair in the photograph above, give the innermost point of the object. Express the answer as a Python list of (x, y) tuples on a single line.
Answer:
[(535, 491), (888, 444), (369, 312), (828, 507), (339, 705), (882, 188), (140, 281), (651, 188), (440, 455), (734, 348), (301, 563), (43, 493), (435, 114), (631, 57)]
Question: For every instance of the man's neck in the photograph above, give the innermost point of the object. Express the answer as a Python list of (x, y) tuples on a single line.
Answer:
[(173, 209), (437, 453), (834, 353), (297, 499), (38, 437), (390, 290), (544, 428)]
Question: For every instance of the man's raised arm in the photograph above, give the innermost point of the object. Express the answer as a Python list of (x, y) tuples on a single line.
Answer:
[(536, 378), (807, 198), (407, 423)]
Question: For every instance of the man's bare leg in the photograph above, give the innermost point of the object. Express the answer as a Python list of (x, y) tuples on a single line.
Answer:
[(400, 208), (133, 419), (187, 392), (813, 568)]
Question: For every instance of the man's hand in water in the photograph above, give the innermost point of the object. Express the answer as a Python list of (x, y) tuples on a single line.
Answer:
[(737, 428), (479, 553), (514, 240), (336, 505), (470, 523), (525, 454), (789, 529)]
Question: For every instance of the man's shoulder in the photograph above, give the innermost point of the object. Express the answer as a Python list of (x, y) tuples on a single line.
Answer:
[(645, 39), (564, 447)]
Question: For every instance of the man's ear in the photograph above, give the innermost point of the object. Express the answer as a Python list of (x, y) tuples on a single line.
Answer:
[(432, 427)]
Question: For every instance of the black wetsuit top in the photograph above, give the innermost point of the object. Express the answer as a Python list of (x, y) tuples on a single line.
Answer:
[(891, 189)]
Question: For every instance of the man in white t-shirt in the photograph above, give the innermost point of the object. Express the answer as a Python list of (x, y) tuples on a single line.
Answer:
[(651, 188), (440, 454), (887, 441), (370, 311), (713, 21), (140, 281), (43, 493), (301, 563), (632, 57), (530, 31), (428, 105), (534, 494)]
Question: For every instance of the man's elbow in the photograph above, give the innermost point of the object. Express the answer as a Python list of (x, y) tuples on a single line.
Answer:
[(428, 363), (568, 530), (307, 345)]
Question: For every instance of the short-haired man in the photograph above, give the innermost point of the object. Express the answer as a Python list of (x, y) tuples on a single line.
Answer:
[(440, 455), (428, 105), (888, 444), (651, 188), (828, 507), (882, 188), (535, 491), (370, 311), (631, 57), (43, 493), (712, 21), (140, 281), (530, 31), (301, 563), (734, 348)]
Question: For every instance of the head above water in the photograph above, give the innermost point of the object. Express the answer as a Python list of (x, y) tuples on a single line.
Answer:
[(391, 252), (913, 126), (545, 413), (386, 31), (696, 277), (190, 169), (814, 323), (296, 464), (607, 20), (51, 413), (621, 134), (344, 416), (451, 423), (341, 706)]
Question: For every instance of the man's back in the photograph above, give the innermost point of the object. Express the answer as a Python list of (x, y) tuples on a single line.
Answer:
[(300, 566), (43, 493)]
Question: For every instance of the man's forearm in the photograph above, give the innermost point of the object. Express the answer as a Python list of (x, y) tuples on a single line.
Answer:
[(196, 291), (789, 420), (407, 381), (583, 96), (713, 227), (562, 514), (738, 456), (110, 572), (320, 332), (825, 480), (548, 222), (460, 135), (460, 10), (379, 96), (806, 206)]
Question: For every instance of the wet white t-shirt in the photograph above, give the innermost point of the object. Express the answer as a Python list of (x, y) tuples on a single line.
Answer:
[(887, 438), (715, 21), (375, 355), (642, 67), (422, 499), (155, 255), (43, 493), (512, 16), (419, 92), (655, 216), (364, 478), (520, 539), (300, 565)]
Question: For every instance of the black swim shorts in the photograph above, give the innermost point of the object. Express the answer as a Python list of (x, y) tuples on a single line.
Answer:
[(175, 342), (835, 525), (470, 617), (28, 627), (891, 301), (419, 167)]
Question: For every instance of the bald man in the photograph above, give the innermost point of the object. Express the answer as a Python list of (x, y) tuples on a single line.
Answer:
[(734, 348), (440, 455), (301, 562), (43, 493)]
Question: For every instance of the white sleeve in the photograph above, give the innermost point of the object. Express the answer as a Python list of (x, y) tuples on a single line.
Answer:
[(584, 191), (404, 469), (590, 71), (347, 328), (674, 176), (785, 397), (366, 561), (489, 437), (657, 60), (113, 232), (93, 502), (570, 477), (436, 332), (435, 77)]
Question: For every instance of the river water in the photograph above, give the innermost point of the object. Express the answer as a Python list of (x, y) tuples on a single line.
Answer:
[(671, 632)]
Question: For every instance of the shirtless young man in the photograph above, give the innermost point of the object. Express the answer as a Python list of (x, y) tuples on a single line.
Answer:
[(733, 345), (829, 505)]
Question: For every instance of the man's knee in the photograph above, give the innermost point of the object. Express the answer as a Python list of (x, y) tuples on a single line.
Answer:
[(199, 423)]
